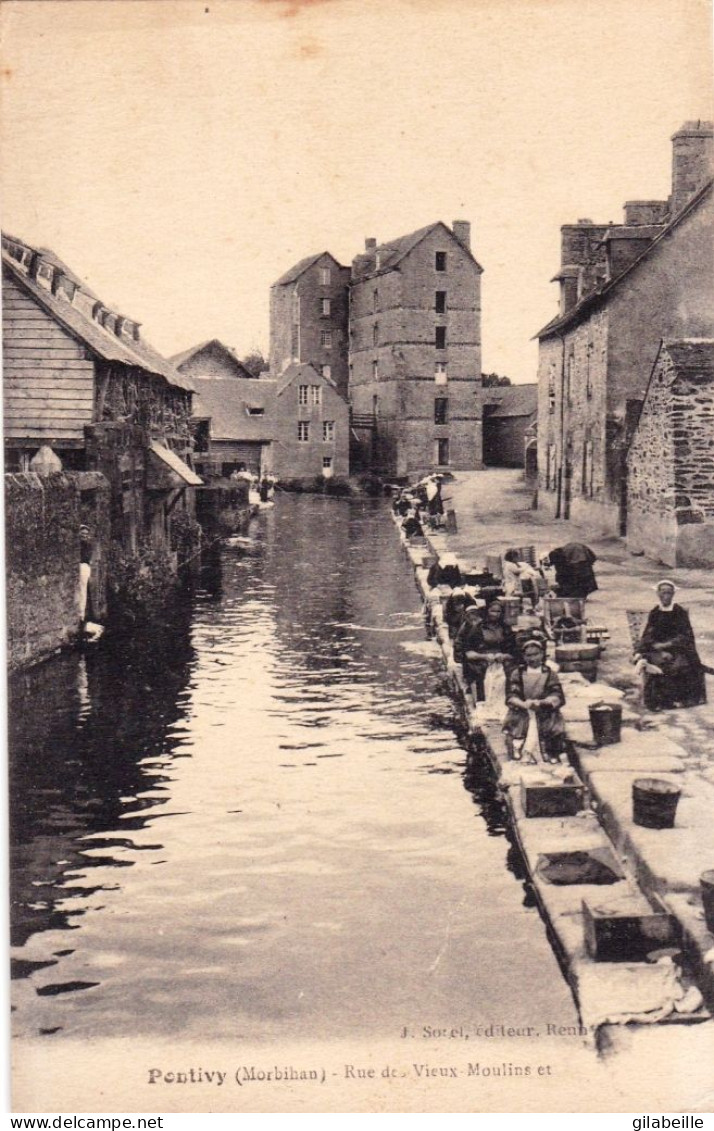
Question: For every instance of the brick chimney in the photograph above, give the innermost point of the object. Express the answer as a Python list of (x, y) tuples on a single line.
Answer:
[(462, 232), (370, 245), (692, 161), (646, 212)]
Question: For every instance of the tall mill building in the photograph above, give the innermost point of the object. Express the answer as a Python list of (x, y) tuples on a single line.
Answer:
[(412, 318)]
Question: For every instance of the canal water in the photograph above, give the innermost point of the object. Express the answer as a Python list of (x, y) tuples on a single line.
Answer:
[(261, 822)]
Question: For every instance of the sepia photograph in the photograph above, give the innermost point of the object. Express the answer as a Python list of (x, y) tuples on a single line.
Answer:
[(358, 415)]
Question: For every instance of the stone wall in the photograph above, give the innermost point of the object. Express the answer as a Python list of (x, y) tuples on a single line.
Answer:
[(572, 384), (393, 322), (670, 469), (42, 520), (297, 321), (601, 365), (293, 458)]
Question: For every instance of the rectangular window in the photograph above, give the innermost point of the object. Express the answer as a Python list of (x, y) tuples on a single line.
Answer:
[(326, 339), (303, 431), (440, 302), (440, 376), (375, 371), (440, 337), (325, 307), (375, 299), (256, 411), (325, 276), (327, 463), (442, 452), (441, 409), (375, 334), (296, 307), (326, 371), (316, 394), (328, 431), (302, 394), (440, 261)]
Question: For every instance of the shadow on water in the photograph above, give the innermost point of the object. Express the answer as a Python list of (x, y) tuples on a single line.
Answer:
[(87, 737), (480, 781)]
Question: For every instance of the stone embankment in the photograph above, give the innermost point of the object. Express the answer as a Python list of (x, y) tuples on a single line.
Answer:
[(597, 929)]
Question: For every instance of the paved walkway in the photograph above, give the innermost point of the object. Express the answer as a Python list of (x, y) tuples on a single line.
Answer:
[(494, 512)]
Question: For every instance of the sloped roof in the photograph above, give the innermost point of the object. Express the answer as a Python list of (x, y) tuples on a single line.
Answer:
[(96, 337), (227, 401), (513, 400), (303, 371), (600, 293), (301, 267), (391, 254), (692, 356), (175, 463), (180, 359)]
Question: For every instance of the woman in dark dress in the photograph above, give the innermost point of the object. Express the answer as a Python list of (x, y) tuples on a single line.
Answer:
[(667, 656), (574, 574), (481, 642)]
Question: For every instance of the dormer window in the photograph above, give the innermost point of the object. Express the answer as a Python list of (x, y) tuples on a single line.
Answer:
[(256, 410), (45, 275)]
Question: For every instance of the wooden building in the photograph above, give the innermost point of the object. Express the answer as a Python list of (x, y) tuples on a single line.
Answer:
[(80, 380)]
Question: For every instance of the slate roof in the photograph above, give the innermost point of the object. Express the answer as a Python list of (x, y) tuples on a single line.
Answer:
[(513, 400), (226, 401), (100, 341), (301, 267), (692, 356), (179, 359), (393, 252), (304, 371), (594, 298)]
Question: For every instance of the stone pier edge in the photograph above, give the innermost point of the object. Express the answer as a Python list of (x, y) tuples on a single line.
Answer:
[(585, 976)]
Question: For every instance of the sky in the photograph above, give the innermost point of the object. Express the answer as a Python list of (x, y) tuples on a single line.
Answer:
[(180, 156)]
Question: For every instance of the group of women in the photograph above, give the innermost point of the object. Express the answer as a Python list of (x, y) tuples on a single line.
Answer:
[(497, 662)]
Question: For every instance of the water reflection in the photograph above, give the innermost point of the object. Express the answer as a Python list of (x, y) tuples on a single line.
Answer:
[(90, 737), (254, 822)]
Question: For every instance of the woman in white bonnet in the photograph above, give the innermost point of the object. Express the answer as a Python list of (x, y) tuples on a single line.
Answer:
[(667, 655)]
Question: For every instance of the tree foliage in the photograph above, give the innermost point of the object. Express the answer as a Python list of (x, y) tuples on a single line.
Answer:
[(493, 380), (255, 362)]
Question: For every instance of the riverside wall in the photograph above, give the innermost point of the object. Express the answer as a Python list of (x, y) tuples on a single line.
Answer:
[(651, 883)]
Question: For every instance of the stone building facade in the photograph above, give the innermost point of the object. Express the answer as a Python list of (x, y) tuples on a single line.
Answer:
[(415, 350), (309, 310), (507, 414), (210, 359), (311, 426), (670, 462), (623, 288)]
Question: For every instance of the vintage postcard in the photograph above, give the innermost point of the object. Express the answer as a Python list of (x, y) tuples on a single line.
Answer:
[(358, 375)]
